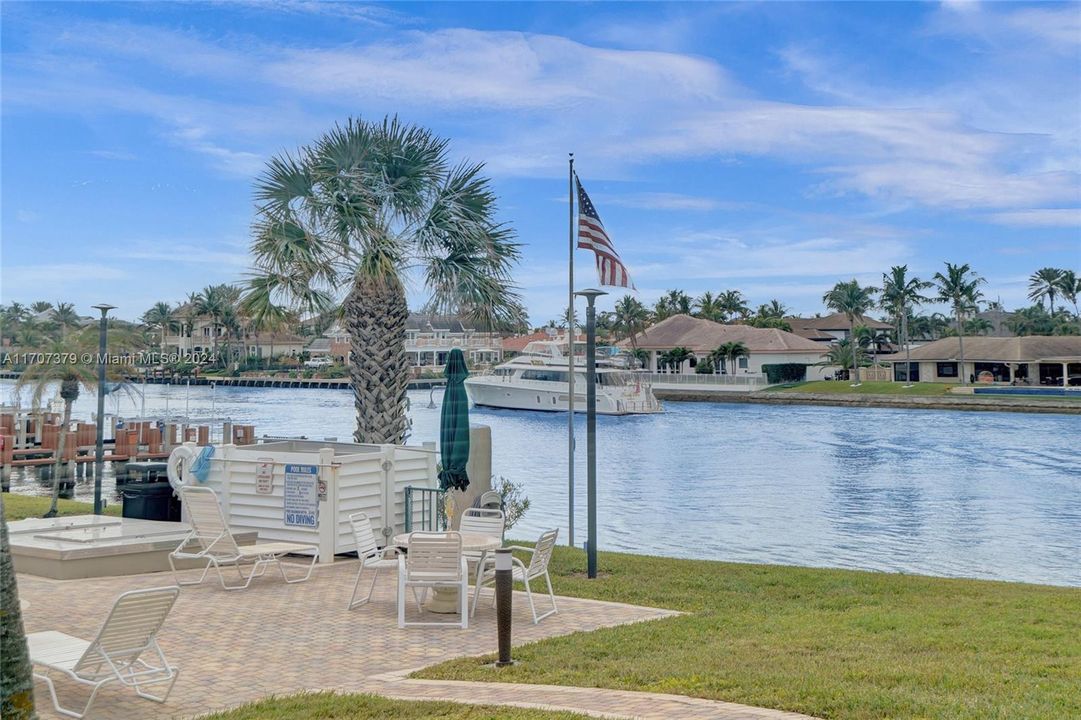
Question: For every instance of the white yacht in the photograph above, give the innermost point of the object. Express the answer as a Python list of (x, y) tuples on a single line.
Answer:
[(537, 380)]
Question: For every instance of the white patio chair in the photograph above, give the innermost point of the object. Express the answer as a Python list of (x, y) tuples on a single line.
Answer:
[(486, 521), (538, 567), (369, 554), (433, 560), (217, 547), (115, 653)]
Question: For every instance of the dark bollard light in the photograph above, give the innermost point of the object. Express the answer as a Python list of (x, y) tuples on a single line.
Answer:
[(503, 584)]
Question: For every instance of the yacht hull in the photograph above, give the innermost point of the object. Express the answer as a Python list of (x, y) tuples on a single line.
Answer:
[(491, 392)]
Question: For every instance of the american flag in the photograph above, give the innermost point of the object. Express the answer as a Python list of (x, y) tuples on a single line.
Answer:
[(591, 235)]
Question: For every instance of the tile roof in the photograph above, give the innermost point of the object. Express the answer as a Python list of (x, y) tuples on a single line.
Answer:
[(836, 321), (1030, 348), (702, 336)]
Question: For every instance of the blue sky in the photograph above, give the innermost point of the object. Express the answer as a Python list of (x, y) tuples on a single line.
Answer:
[(773, 148)]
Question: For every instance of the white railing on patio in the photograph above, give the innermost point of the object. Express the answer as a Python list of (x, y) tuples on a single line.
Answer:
[(702, 379)]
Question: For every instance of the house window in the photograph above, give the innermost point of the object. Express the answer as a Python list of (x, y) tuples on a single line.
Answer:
[(946, 369), (913, 374), (742, 362)]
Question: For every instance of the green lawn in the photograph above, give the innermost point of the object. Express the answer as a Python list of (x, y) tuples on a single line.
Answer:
[(18, 507), (831, 643), (328, 706), (836, 387)]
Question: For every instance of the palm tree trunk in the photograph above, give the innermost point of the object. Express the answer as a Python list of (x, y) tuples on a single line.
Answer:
[(16, 675), (855, 349), (61, 442), (376, 313), (961, 347)]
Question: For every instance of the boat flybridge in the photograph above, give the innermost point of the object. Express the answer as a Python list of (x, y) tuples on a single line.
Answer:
[(537, 380)]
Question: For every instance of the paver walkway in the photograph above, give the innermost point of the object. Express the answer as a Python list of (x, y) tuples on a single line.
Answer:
[(236, 647)]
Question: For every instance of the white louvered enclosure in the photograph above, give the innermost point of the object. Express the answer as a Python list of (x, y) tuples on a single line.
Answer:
[(350, 478)]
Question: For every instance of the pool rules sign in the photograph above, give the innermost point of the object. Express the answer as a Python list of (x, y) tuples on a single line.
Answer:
[(301, 495)]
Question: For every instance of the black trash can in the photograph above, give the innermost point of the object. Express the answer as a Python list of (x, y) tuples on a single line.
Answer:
[(150, 501), (143, 472)]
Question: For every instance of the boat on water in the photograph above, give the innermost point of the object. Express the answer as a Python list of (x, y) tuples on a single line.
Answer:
[(537, 380)]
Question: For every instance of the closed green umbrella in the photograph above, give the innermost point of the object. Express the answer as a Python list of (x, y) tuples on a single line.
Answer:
[(454, 425)]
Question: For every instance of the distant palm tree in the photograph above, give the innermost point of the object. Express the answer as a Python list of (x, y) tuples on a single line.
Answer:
[(161, 316), (774, 309), (900, 294), (1069, 287), (675, 358), (65, 317), (1045, 283), (960, 289), (631, 318), (727, 356), (846, 355), (978, 326), (733, 304), (41, 306), (361, 211), (708, 306), (673, 302), (854, 301)]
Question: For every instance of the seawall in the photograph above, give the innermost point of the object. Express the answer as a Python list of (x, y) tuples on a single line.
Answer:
[(937, 402)]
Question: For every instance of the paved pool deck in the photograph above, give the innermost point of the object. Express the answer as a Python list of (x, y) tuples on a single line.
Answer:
[(277, 639)]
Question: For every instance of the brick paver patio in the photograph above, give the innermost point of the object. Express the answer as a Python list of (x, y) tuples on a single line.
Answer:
[(279, 639)]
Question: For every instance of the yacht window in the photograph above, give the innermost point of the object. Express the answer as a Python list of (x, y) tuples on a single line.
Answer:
[(544, 375)]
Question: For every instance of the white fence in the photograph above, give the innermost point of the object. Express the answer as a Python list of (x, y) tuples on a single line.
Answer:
[(350, 478), (705, 379)]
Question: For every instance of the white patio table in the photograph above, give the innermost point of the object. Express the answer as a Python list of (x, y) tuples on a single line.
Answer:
[(445, 599)]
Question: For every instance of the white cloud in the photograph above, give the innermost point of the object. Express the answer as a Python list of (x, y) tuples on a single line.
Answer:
[(1042, 217)]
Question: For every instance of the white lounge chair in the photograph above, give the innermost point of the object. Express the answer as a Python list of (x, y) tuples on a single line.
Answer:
[(217, 547), (538, 567), (369, 554), (433, 560), (115, 653)]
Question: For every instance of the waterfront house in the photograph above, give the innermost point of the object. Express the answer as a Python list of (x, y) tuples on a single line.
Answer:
[(1028, 360), (765, 346), (831, 328), (428, 341), (430, 338), (203, 335)]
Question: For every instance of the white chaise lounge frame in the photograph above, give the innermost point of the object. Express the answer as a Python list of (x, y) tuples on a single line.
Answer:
[(217, 547), (115, 654)]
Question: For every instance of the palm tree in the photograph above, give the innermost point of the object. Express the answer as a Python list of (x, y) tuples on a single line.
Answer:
[(1045, 282), (41, 306), (707, 306), (841, 354), (17, 686), (1069, 286), (674, 358), (673, 302), (774, 309), (631, 318), (900, 294), (733, 304), (218, 302), (728, 354), (364, 208), (264, 315), (854, 301), (64, 316), (162, 317), (73, 375), (960, 289), (978, 326)]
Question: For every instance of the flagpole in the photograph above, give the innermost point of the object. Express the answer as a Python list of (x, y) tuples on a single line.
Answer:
[(570, 354)]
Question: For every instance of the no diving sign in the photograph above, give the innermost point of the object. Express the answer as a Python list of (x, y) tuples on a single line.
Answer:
[(301, 495)]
